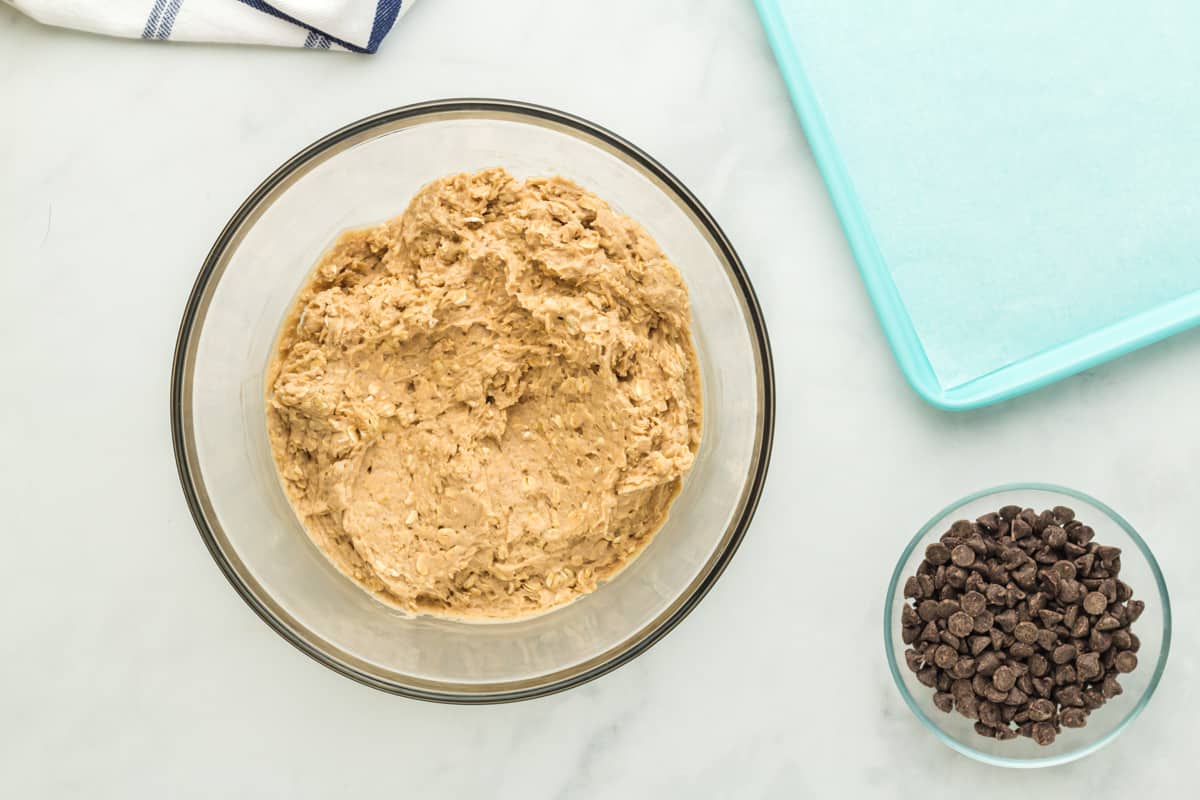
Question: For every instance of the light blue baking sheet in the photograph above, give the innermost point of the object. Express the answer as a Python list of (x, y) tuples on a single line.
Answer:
[(1019, 181)]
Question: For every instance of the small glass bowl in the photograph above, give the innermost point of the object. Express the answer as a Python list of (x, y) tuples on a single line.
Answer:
[(1138, 569), (366, 173)]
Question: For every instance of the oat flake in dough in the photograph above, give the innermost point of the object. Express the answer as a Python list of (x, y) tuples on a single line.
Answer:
[(485, 405)]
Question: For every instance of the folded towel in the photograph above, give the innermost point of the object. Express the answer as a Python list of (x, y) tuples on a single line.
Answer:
[(355, 25)]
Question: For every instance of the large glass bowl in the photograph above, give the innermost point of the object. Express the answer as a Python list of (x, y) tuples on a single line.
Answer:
[(364, 174), (1138, 569)]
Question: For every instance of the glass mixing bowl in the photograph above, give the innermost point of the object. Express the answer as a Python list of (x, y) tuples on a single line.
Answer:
[(1138, 569), (364, 174)]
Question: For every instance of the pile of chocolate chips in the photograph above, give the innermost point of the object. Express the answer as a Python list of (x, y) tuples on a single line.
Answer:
[(1018, 621)]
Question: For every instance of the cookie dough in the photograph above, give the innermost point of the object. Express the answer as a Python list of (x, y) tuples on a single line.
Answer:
[(483, 407)]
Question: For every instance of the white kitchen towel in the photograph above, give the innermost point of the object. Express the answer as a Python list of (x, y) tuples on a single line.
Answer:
[(355, 25)]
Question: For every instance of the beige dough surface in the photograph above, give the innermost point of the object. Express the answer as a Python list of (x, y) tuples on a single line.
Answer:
[(484, 406)]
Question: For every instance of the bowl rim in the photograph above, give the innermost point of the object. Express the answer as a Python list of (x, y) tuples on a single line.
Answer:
[(194, 492), (1008, 761)]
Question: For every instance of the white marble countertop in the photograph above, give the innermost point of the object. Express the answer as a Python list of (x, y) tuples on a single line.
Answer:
[(130, 668)]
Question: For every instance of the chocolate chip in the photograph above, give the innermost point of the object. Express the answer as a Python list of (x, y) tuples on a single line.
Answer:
[(1070, 615), (1087, 665), (1108, 588), (1072, 550), (945, 656), (1099, 641), (962, 556), (1082, 534), (928, 676), (963, 668), (1009, 512), (1041, 710), (1020, 528), (1004, 678), (979, 544), (1007, 620), (1095, 603), (937, 553), (1021, 650), (1065, 569), (962, 528), (989, 522), (973, 603), (1070, 591), (987, 664), (1043, 733), (967, 705), (1017, 698), (1055, 536), (928, 610), (989, 714), (943, 701), (984, 622), (960, 623), (1050, 618), (1013, 557), (985, 730), (1126, 661), (1073, 718), (947, 608), (912, 588), (1069, 696), (956, 578), (1026, 632), (1064, 674), (1039, 665), (1063, 654), (1063, 514), (1026, 577)]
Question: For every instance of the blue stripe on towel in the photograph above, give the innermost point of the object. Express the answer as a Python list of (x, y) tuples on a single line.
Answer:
[(152, 20), (385, 18), (386, 12), (168, 22)]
